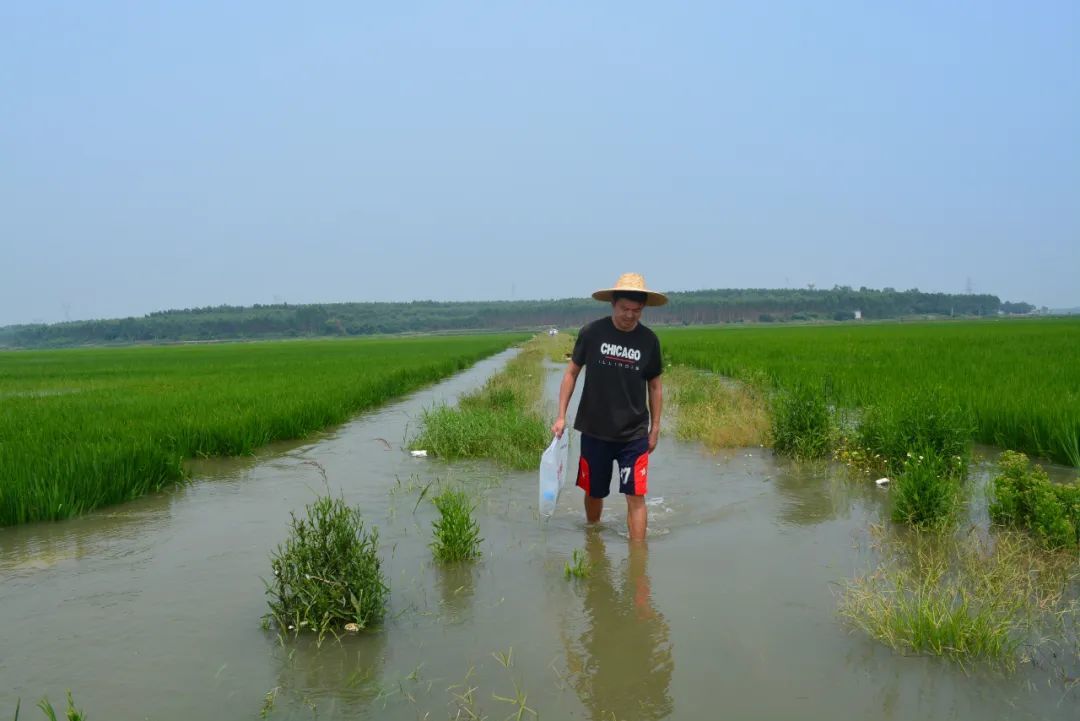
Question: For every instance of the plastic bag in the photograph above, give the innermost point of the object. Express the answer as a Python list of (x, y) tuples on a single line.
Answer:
[(553, 473)]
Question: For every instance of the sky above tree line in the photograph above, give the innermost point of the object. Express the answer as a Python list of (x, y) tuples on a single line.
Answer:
[(174, 155)]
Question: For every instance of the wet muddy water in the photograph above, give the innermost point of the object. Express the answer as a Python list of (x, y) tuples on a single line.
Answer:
[(151, 610)]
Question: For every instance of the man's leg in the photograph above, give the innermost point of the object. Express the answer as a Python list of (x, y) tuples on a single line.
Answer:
[(634, 484), (596, 457), (593, 508), (637, 517)]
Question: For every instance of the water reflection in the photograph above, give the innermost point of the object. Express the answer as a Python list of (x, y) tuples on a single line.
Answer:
[(622, 662), (109, 533), (456, 583), (340, 679), (814, 493)]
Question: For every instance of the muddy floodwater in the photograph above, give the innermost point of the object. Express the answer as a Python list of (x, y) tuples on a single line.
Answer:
[(151, 610)]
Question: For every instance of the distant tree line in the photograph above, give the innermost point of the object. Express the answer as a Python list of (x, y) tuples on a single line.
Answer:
[(355, 319)]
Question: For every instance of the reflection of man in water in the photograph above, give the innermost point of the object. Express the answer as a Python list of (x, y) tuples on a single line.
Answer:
[(621, 666)]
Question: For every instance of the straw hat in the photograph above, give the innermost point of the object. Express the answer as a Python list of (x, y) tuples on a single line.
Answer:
[(635, 283)]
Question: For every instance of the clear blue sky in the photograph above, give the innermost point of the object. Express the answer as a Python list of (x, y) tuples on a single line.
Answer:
[(170, 155)]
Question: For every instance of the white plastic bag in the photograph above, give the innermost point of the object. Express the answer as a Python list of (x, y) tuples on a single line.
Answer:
[(553, 473)]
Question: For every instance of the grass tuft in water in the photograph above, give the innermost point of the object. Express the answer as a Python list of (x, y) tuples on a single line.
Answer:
[(327, 573), (926, 490), (966, 598), (501, 421), (457, 534), (72, 713), (578, 566), (926, 420), (802, 426), (1025, 498)]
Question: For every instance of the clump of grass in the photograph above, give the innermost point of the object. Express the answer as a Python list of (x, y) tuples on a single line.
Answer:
[(510, 436), (715, 411), (802, 426), (72, 713), (966, 598), (502, 421), (926, 490), (926, 420), (328, 572), (578, 566), (1025, 498), (457, 534)]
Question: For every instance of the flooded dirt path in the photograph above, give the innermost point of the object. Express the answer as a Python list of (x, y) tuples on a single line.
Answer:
[(151, 610)]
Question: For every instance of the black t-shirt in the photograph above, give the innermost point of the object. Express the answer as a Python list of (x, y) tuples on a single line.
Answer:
[(618, 365)]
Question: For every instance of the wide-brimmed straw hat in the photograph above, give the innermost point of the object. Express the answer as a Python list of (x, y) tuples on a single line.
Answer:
[(633, 283)]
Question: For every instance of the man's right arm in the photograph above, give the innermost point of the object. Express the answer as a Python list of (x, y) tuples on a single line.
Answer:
[(566, 389)]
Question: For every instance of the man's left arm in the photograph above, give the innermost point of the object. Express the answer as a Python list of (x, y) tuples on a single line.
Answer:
[(656, 405)]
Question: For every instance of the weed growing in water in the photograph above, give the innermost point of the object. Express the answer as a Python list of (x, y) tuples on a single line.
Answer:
[(328, 572), (72, 714), (962, 597), (927, 420), (578, 566), (801, 424), (926, 490), (457, 534), (1025, 498), (501, 421)]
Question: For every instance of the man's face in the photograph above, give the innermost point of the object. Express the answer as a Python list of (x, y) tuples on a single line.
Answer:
[(625, 314)]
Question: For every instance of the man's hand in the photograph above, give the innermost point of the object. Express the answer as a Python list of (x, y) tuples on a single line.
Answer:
[(558, 427), (654, 436)]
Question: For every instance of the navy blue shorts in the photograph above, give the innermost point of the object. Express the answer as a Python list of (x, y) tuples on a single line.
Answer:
[(594, 468)]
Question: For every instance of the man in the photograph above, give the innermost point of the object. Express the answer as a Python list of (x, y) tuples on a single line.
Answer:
[(618, 421)]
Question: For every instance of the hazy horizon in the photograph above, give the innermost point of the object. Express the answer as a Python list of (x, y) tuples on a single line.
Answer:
[(168, 157), (468, 300)]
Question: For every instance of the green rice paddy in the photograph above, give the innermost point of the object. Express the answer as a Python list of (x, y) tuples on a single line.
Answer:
[(84, 428), (1018, 379)]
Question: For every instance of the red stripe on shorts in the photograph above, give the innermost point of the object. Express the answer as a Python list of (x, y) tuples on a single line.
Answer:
[(641, 475), (583, 474)]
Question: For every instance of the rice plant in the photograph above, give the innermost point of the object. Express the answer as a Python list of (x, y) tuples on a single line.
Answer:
[(456, 532), (328, 573), (578, 566)]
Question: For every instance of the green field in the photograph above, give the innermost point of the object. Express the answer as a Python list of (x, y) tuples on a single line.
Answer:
[(1018, 379), (84, 428)]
